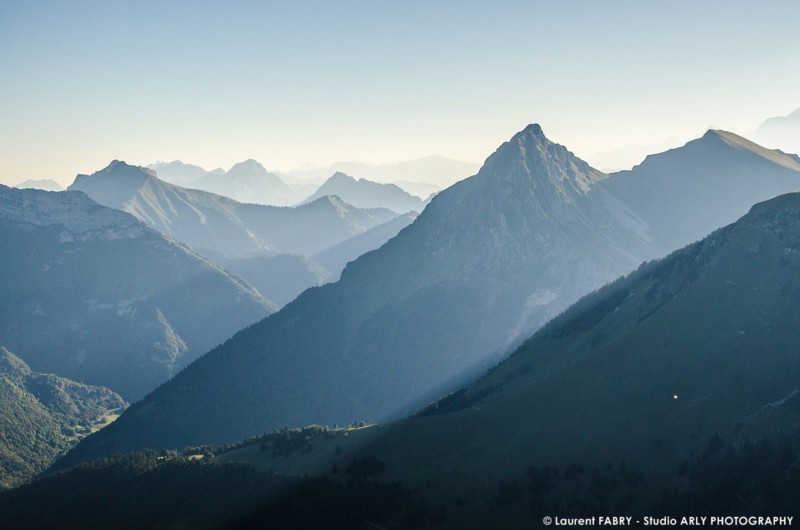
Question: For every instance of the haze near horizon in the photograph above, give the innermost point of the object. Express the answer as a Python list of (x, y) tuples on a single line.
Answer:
[(213, 84)]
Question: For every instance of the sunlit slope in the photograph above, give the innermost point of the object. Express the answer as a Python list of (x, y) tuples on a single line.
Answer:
[(647, 370)]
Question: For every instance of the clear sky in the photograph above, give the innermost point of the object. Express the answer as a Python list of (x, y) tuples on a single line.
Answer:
[(295, 82)]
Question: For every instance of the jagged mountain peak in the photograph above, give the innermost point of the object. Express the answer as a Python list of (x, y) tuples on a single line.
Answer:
[(530, 158)]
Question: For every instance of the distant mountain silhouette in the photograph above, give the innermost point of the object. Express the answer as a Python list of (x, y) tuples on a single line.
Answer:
[(335, 258), (435, 169), (41, 184), (283, 276), (367, 194), (176, 172), (780, 131), (248, 182), (218, 226)]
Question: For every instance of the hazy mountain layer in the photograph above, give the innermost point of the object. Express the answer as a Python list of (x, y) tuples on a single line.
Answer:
[(710, 182), (420, 189), (435, 169), (176, 172), (280, 277), (489, 261), (41, 184), (43, 415), (780, 131), (248, 182), (335, 258), (367, 194), (219, 226), (90, 293)]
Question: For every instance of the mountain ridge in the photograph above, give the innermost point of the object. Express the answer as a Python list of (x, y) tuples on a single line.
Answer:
[(77, 276), (488, 262), (216, 225), (248, 182), (364, 193), (355, 330)]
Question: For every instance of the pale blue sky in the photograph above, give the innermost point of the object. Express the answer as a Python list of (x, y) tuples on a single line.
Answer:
[(287, 83)]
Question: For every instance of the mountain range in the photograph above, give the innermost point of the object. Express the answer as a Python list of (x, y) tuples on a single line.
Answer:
[(283, 276), (335, 258), (249, 182), (672, 390), (684, 193), (176, 172), (217, 226), (92, 294), (488, 262), (780, 131), (431, 170), (363, 193)]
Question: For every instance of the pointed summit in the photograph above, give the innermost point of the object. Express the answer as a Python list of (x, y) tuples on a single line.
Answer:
[(533, 129), (530, 160)]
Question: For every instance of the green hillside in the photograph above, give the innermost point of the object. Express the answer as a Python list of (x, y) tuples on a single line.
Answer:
[(43, 415)]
